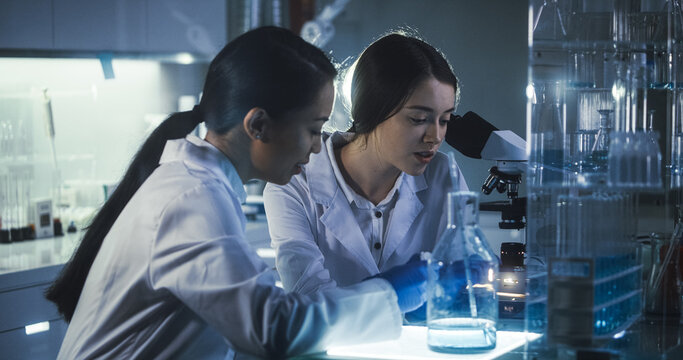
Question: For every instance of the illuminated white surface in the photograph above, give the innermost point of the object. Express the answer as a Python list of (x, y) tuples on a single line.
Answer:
[(37, 328), (413, 345)]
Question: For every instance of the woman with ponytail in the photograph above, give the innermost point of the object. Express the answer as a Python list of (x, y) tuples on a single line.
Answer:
[(164, 271)]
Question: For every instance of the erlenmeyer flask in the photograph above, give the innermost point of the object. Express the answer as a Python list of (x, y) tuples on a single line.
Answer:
[(462, 305), (549, 22), (600, 149)]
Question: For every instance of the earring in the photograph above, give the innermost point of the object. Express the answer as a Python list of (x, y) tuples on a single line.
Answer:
[(258, 136)]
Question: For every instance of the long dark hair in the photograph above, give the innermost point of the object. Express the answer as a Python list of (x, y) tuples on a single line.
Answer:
[(387, 73), (269, 67)]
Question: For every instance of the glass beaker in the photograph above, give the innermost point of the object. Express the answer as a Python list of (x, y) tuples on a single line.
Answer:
[(462, 305), (663, 295)]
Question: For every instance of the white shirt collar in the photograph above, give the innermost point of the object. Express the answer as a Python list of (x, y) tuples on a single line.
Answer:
[(203, 153), (339, 139)]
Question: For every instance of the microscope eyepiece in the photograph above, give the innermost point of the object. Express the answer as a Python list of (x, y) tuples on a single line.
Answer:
[(469, 133)]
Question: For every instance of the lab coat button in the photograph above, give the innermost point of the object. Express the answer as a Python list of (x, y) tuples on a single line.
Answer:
[(378, 246), (378, 214)]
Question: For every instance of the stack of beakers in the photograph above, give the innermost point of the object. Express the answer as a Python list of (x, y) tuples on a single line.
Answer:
[(462, 305), (594, 278)]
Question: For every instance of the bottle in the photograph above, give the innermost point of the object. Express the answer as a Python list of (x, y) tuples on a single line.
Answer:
[(462, 305)]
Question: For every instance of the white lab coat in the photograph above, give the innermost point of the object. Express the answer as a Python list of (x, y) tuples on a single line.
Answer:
[(317, 240), (175, 278)]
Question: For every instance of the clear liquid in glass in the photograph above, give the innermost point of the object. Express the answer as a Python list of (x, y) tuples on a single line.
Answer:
[(462, 305)]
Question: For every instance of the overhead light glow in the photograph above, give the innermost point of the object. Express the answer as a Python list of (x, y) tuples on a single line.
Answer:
[(37, 328), (184, 58)]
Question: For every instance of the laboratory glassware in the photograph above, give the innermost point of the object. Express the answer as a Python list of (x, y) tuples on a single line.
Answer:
[(462, 304), (600, 148), (546, 160), (663, 292), (623, 57), (594, 277)]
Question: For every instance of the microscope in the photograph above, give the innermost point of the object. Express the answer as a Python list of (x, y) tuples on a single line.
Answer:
[(474, 137)]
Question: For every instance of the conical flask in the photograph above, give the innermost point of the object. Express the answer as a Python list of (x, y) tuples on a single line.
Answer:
[(462, 306), (600, 149)]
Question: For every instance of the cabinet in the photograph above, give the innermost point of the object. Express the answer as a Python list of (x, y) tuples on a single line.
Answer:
[(26, 24), (114, 25), (179, 25), (100, 25), (21, 297)]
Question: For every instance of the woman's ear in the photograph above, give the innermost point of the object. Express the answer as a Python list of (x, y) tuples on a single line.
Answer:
[(256, 124)]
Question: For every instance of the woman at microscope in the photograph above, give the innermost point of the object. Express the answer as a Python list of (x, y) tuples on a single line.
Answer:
[(374, 195)]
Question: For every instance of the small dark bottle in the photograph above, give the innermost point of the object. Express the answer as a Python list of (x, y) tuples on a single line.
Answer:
[(5, 236), (16, 234), (57, 225), (72, 227)]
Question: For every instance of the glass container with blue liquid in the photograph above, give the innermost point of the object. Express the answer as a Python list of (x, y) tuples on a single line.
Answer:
[(462, 305)]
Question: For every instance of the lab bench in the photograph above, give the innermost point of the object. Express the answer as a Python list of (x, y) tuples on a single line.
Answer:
[(649, 338), (27, 268)]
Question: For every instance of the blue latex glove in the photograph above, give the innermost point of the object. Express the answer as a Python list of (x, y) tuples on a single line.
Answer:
[(455, 272), (452, 277), (409, 281)]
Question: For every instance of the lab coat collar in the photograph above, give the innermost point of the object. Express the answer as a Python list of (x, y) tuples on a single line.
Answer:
[(352, 196), (338, 217), (320, 172), (202, 153)]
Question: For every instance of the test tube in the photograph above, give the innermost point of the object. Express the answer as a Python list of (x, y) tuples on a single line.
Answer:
[(27, 180), (4, 230)]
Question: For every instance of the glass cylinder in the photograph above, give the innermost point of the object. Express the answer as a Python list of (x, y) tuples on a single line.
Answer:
[(462, 305), (547, 143)]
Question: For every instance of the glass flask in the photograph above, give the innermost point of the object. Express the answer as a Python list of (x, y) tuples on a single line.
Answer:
[(600, 149), (546, 159), (462, 305)]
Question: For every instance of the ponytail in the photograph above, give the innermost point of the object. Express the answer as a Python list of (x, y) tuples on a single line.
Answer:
[(67, 288)]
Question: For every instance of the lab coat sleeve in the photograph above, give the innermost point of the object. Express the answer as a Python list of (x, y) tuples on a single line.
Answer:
[(200, 257), (291, 222)]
